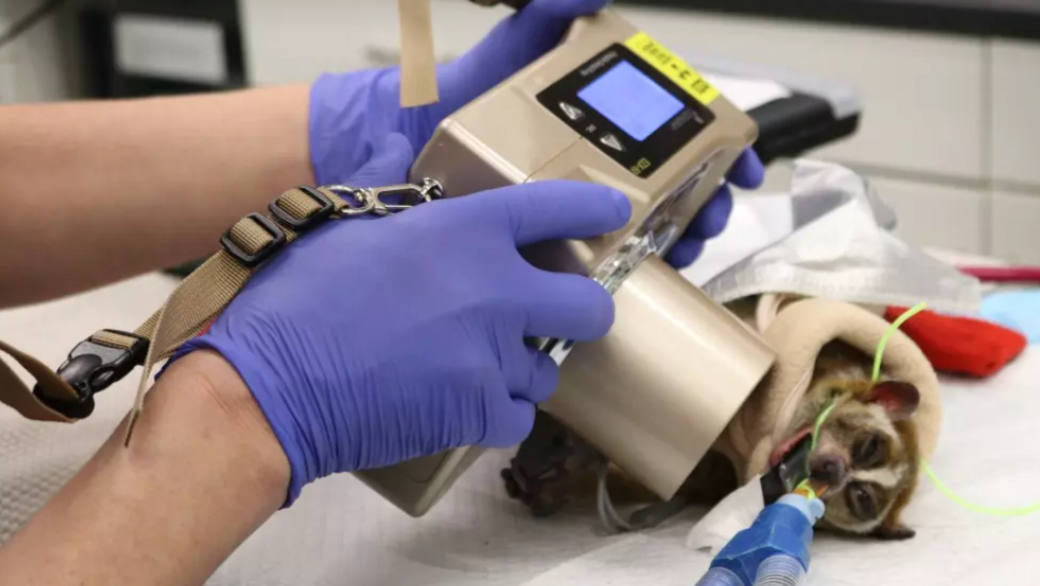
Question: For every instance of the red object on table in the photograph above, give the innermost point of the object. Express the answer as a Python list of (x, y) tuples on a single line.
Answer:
[(961, 345), (1003, 274)]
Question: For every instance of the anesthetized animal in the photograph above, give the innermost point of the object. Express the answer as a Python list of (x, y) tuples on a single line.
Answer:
[(866, 455)]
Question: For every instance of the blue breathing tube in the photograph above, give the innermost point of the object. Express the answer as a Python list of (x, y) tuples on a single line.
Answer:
[(773, 551)]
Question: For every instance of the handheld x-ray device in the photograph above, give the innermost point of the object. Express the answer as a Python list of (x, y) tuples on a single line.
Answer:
[(612, 106)]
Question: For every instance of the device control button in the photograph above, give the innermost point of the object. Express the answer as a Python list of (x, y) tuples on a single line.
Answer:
[(612, 141), (572, 112)]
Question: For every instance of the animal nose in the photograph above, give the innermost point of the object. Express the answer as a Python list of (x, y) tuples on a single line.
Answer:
[(829, 470)]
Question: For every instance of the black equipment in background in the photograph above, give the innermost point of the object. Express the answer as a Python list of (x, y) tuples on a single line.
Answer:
[(167, 33), (142, 48)]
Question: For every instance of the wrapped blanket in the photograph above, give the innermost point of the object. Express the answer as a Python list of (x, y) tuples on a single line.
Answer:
[(798, 328)]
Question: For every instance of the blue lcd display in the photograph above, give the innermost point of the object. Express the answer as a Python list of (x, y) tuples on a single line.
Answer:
[(632, 101)]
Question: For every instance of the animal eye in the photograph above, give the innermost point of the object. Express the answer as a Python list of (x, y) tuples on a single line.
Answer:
[(861, 501), (869, 452)]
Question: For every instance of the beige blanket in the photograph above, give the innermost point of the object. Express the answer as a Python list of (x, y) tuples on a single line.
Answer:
[(798, 328)]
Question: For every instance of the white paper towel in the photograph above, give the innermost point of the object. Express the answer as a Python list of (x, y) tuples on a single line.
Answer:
[(735, 513)]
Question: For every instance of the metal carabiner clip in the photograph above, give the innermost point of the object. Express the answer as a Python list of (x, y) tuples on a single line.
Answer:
[(397, 198), (364, 201), (383, 201)]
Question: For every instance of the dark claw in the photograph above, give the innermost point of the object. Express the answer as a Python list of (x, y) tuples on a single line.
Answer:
[(898, 533), (512, 487)]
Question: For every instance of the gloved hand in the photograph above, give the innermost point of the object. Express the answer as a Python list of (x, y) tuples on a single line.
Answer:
[(367, 343), (711, 220), (352, 113)]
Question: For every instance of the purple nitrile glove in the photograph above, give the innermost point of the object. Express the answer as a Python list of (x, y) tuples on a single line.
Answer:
[(367, 343), (352, 113), (711, 220)]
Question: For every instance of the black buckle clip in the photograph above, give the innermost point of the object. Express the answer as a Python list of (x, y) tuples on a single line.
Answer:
[(252, 260), (91, 368), (305, 224)]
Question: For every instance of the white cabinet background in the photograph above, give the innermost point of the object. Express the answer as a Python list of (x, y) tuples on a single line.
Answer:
[(31, 68), (1015, 95), (950, 133)]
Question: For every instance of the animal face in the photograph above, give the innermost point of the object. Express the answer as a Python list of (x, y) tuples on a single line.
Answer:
[(866, 454)]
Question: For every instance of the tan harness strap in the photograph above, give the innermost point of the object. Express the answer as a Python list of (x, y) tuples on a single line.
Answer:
[(294, 202), (189, 310), (113, 339), (418, 63), (146, 329), (197, 301), (201, 297), (17, 396)]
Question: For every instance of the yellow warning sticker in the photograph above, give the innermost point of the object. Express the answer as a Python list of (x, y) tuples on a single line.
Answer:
[(673, 67)]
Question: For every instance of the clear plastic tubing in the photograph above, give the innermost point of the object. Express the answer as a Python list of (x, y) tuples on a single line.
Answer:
[(720, 577), (780, 570)]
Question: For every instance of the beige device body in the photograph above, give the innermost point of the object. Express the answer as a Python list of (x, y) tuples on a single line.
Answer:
[(657, 392)]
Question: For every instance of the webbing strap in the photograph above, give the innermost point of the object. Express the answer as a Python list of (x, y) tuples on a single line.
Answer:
[(192, 306), (17, 396), (418, 63)]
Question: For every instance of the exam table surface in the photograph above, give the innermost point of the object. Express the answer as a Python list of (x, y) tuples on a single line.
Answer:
[(341, 533)]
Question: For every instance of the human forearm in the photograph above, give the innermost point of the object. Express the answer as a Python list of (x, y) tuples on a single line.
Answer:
[(331, 391), (203, 472), (99, 191)]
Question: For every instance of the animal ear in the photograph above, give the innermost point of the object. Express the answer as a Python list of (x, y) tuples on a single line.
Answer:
[(899, 399)]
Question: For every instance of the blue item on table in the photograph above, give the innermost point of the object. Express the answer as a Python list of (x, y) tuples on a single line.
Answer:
[(1016, 310), (778, 542)]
